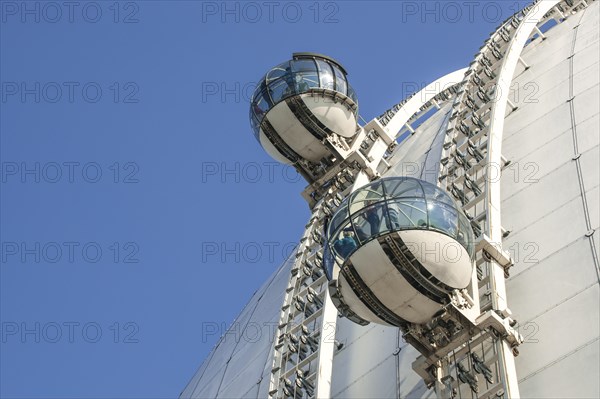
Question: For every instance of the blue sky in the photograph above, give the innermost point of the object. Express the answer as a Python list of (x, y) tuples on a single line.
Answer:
[(137, 210)]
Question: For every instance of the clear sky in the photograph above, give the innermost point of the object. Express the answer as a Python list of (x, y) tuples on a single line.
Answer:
[(138, 211)]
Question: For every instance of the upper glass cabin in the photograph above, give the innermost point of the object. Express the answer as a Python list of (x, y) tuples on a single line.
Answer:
[(304, 72)]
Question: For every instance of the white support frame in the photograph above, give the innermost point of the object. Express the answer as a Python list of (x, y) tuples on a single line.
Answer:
[(496, 129), (329, 326), (414, 104)]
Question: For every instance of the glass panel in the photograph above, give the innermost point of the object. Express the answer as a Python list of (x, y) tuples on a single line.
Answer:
[(278, 72), (339, 218), (369, 222), (280, 89), (407, 214), (465, 233), (443, 217), (343, 243), (328, 262), (373, 214), (254, 122), (306, 80), (402, 187), (366, 196), (325, 75), (352, 94), (304, 66), (257, 90), (305, 75), (437, 194), (340, 81), (261, 105), (262, 92)]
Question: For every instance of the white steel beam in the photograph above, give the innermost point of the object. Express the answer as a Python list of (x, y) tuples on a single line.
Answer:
[(413, 105), (496, 128)]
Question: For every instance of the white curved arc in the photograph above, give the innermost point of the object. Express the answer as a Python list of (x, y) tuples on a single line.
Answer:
[(329, 325), (326, 349), (413, 105), (496, 128), (498, 112)]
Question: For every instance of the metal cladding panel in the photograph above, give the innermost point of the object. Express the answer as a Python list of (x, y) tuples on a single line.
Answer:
[(592, 195), (546, 236), (588, 76), (521, 147), (209, 384), (348, 333), (587, 134), (431, 162), (187, 391), (585, 103), (542, 191), (545, 53), (410, 385), (248, 372), (240, 363), (553, 289), (559, 331), (419, 154), (574, 377), (365, 366), (590, 29), (551, 120), (540, 164), (255, 339), (530, 289)]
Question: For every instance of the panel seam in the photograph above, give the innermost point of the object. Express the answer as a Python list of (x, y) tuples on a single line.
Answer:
[(577, 156)]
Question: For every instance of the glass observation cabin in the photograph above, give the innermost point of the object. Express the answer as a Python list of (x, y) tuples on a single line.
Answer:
[(304, 73), (389, 205)]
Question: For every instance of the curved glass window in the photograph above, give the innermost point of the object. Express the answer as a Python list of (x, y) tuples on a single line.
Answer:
[(352, 94), (344, 243), (280, 89), (407, 213), (394, 204), (465, 233), (443, 218), (339, 217), (262, 104), (371, 221), (325, 75), (277, 72), (340, 81), (305, 75), (363, 198), (328, 262), (254, 123), (296, 77)]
